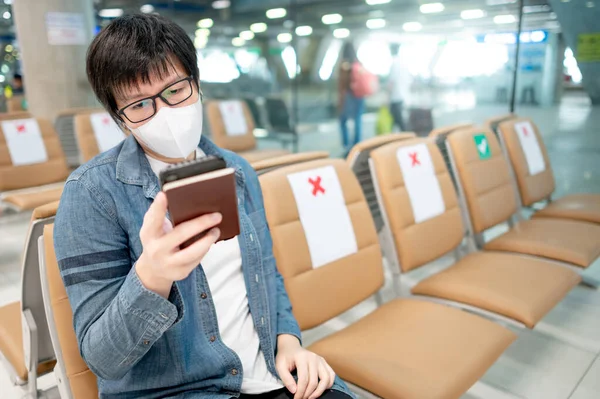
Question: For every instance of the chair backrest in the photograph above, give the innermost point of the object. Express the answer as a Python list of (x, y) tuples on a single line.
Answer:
[(445, 130), (267, 165), (231, 128), (65, 127), (15, 104), (440, 135), (418, 200), (76, 381), (255, 110), (484, 176), (278, 115), (324, 240), (89, 140), (358, 160), (494, 122), (31, 294), (53, 169), (529, 159)]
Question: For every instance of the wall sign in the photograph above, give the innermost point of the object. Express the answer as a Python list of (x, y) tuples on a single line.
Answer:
[(65, 28), (588, 47)]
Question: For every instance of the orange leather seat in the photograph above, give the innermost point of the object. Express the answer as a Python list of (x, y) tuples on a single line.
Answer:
[(31, 200), (244, 144), (539, 187), (491, 200), (514, 286), (405, 349)]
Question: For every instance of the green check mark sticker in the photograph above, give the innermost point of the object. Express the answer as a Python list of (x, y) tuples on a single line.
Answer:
[(483, 147)]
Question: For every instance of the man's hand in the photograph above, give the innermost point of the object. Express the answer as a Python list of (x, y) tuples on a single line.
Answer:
[(161, 262), (314, 374)]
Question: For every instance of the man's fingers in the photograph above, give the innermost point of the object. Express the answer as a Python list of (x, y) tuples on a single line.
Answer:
[(303, 378), (189, 229), (154, 218), (331, 374), (191, 255), (287, 378), (313, 378), (324, 381)]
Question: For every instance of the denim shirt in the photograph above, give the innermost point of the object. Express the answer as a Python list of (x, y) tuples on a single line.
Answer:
[(138, 343)]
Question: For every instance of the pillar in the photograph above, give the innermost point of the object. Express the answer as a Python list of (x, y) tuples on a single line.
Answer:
[(53, 37)]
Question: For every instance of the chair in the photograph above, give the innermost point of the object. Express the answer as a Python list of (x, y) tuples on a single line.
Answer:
[(74, 378), (26, 186), (267, 165), (65, 127), (236, 134), (406, 348), (25, 345), (495, 121), (539, 185), (358, 160), (519, 288), (280, 121), (484, 182), (92, 142), (16, 103)]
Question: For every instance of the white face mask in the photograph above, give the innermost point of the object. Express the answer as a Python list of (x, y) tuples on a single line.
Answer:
[(173, 132)]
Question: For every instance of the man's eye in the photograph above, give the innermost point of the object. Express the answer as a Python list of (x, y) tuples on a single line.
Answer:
[(172, 92), (140, 105)]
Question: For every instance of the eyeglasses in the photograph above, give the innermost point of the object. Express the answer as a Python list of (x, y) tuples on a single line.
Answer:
[(145, 108)]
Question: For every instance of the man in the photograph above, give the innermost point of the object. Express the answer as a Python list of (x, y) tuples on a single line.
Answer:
[(153, 321), (17, 86), (399, 87)]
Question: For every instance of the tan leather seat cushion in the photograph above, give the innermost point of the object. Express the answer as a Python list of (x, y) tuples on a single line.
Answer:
[(11, 341), (261, 155), (518, 287), (415, 349), (289, 159), (45, 211), (569, 241), (32, 200), (584, 207), (376, 142)]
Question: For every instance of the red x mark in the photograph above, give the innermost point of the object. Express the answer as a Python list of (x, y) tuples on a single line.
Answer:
[(414, 159), (526, 131), (20, 128), (105, 120), (316, 185)]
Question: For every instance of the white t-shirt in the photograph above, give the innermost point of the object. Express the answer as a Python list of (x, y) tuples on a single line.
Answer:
[(223, 268), (400, 81)]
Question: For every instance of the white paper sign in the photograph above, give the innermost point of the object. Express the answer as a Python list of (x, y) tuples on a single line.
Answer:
[(531, 147), (65, 28), (421, 182), (106, 131), (24, 141), (233, 118), (324, 215)]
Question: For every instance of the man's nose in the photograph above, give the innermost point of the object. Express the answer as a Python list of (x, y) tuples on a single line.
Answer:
[(160, 103)]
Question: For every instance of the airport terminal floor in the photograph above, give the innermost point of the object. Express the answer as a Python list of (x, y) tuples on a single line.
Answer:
[(558, 359)]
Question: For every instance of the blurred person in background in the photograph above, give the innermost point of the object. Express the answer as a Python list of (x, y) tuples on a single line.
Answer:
[(211, 321), (399, 83), (350, 106), (17, 85)]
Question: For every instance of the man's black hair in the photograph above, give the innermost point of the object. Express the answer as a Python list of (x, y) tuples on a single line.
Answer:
[(137, 48), (17, 76)]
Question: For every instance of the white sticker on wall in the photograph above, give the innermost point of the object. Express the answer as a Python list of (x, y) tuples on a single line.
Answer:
[(531, 147), (24, 141), (421, 182), (323, 214), (234, 119), (106, 131)]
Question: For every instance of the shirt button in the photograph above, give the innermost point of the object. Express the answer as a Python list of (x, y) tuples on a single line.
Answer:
[(203, 295), (212, 338), (234, 372)]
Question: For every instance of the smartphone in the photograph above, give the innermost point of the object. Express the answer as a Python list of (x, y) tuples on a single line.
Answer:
[(191, 168)]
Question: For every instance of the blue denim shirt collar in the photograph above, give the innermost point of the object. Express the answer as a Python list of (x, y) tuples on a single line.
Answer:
[(133, 166)]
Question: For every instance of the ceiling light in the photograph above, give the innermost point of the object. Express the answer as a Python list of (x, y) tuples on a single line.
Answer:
[(206, 23), (203, 32), (258, 27), (9, 48), (412, 26), (8, 2), (376, 23), (5, 68), (376, 2), (537, 8), (284, 37), (221, 4), (304, 30), (147, 8), (6, 15), (590, 4), (247, 35), (330, 19), (109, 12), (275, 13), (538, 36), (504, 19), (341, 33), (472, 14), (499, 2), (200, 41), (432, 8), (2, 78), (238, 41)]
